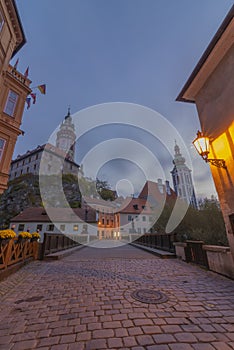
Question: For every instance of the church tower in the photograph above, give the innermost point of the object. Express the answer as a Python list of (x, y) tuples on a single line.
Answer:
[(66, 137), (182, 179)]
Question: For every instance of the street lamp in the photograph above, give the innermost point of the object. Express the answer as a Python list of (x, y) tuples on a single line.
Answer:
[(202, 145)]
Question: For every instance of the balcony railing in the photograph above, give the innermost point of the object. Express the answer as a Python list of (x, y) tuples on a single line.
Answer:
[(18, 76)]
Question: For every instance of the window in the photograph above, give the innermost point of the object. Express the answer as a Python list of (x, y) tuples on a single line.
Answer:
[(2, 145), (143, 218), (35, 166), (103, 221), (27, 169), (21, 171), (11, 103), (62, 227), (36, 156), (29, 159), (39, 227), (107, 221), (1, 21), (138, 230), (129, 218), (50, 227), (21, 227), (75, 227)]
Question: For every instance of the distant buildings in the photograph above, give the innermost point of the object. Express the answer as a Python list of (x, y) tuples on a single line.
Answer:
[(56, 159), (14, 86), (124, 217), (64, 221), (211, 88), (182, 179)]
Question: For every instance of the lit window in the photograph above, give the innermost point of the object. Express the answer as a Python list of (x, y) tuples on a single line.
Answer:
[(11, 103), (75, 227), (2, 145), (1, 21)]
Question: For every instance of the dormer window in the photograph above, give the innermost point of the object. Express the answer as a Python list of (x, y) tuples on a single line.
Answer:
[(135, 206)]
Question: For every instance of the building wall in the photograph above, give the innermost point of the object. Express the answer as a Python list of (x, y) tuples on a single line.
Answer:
[(215, 105), (52, 164), (62, 227), (10, 80)]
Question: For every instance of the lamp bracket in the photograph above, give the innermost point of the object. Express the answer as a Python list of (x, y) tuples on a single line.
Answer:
[(220, 163)]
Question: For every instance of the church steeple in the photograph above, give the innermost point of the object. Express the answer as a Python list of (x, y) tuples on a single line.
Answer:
[(66, 136)]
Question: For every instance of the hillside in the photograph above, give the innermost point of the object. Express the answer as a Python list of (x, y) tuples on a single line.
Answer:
[(24, 192)]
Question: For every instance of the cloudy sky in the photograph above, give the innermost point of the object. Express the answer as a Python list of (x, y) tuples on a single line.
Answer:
[(90, 52)]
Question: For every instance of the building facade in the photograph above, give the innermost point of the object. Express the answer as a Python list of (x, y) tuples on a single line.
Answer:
[(14, 86), (182, 179), (211, 88), (33, 219)]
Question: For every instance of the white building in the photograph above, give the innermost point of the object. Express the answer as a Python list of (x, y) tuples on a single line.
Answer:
[(65, 220), (56, 159)]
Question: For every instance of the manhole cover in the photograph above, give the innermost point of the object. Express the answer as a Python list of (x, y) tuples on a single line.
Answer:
[(149, 296), (36, 298)]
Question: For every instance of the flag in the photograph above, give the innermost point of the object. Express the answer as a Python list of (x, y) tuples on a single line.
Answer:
[(28, 101), (42, 88), (16, 64), (26, 73), (34, 96)]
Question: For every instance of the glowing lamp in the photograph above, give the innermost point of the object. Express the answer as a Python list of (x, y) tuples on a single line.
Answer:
[(202, 145)]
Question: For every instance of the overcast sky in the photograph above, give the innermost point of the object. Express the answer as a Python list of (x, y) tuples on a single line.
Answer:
[(96, 51)]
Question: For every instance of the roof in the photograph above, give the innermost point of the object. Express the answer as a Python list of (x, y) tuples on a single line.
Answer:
[(152, 193), (205, 55), (135, 206), (58, 214), (12, 9)]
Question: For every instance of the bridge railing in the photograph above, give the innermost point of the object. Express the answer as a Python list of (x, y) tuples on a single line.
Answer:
[(55, 242), (14, 251), (158, 241)]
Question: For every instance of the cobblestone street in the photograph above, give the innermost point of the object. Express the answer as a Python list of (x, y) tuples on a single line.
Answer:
[(84, 301)]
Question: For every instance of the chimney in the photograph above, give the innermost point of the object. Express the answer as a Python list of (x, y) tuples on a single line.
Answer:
[(168, 189), (160, 186)]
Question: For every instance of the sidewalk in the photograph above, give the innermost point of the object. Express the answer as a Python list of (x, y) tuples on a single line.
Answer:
[(85, 301)]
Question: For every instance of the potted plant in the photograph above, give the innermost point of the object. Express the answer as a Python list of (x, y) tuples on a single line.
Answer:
[(23, 236), (6, 235), (35, 237)]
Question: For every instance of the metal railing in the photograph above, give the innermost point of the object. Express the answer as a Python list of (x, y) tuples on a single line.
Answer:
[(195, 253), (158, 241)]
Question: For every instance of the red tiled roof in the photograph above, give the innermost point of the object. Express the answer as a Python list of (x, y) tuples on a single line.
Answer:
[(58, 214), (135, 206), (151, 191)]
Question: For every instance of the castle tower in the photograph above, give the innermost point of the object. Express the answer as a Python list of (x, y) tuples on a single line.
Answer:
[(182, 179), (66, 137)]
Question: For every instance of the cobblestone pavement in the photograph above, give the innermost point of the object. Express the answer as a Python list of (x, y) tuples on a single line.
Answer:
[(84, 301)]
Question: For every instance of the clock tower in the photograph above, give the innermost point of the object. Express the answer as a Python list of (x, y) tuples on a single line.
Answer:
[(66, 137)]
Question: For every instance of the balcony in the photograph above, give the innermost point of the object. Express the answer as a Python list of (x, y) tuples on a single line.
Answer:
[(17, 76)]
